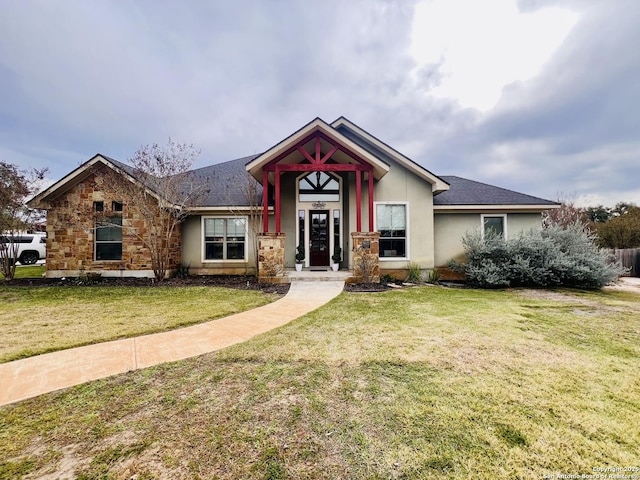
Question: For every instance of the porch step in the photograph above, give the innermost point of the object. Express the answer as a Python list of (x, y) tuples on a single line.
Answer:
[(308, 275)]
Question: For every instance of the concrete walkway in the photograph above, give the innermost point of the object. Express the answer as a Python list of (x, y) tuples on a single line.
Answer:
[(630, 284), (34, 376)]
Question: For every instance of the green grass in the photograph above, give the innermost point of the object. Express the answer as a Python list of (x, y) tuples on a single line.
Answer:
[(27, 271), (422, 383), (45, 319)]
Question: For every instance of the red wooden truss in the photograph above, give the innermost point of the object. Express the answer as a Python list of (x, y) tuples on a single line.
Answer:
[(317, 163)]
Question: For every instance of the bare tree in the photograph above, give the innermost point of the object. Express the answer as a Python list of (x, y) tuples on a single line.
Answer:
[(159, 186), (15, 188), (251, 192), (568, 214)]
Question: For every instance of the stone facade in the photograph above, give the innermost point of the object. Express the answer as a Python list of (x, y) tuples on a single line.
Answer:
[(71, 221), (271, 258), (366, 256)]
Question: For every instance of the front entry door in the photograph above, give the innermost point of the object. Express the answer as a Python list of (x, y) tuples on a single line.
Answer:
[(319, 238)]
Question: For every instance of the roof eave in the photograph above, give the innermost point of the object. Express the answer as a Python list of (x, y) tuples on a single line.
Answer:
[(80, 173), (533, 208), (226, 208)]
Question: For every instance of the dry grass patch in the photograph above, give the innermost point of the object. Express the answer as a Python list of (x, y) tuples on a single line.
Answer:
[(423, 383), (45, 319)]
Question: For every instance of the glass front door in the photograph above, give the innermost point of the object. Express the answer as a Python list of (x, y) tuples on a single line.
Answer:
[(319, 238)]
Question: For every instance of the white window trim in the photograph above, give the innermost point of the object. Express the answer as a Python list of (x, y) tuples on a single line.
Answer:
[(493, 215), (203, 243), (407, 246)]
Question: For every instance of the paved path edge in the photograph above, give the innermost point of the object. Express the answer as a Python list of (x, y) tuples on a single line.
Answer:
[(33, 376)]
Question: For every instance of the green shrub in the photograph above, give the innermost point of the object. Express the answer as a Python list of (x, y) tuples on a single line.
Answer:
[(554, 256), (434, 277), (183, 270), (415, 273), (387, 279)]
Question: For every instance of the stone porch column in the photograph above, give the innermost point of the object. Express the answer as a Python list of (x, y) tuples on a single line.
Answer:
[(271, 258), (366, 256)]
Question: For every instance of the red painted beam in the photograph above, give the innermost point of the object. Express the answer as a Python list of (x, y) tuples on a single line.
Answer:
[(265, 201), (358, 202), (314, 135), (345, 149), (329, 154), (327, 167), (317, 150), (306, 154), (293, 148)]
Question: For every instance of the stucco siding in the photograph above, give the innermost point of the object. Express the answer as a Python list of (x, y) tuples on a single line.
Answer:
[(522, 222), (449, 228), (192, 242), (193, 249), (403, 186)]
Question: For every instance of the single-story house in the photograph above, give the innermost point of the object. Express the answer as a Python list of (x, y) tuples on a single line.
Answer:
[(327, 185)]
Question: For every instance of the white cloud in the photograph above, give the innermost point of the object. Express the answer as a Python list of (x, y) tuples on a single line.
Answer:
[(480, 47)]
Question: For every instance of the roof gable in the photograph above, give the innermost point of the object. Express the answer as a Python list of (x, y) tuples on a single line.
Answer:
[(289, 144), (79, 174)]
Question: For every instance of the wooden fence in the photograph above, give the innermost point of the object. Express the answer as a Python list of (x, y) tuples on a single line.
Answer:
[(629, 258)]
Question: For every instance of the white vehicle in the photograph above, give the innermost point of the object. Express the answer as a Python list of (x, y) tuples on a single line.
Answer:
[(30, 247)]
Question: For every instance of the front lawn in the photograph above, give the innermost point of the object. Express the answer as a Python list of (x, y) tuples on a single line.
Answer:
[(45, 319), (27, 271), (423, 383)]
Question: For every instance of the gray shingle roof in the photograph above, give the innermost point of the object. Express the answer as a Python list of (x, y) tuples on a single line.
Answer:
[(469, 192), (226, 183), (122, 166)]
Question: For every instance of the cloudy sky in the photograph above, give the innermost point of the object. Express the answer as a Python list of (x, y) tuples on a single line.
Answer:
[(540, 96)]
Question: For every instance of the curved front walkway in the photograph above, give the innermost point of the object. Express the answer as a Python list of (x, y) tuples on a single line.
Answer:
[(34, 376)]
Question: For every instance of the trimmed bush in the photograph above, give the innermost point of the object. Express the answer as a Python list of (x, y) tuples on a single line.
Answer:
[(554, 256)]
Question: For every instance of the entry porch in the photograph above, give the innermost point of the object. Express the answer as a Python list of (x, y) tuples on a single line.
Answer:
[(319, 188)]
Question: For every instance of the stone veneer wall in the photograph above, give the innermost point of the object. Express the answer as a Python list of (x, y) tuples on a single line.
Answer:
[(271, 258), (366, 253), (70, 235)]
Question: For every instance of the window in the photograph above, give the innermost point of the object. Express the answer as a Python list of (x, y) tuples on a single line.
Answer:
[(300, 227), (336, 229), (391, 222), (494, 224), (116, 206), (224, 238), (109, 239), (319, 187), (98, 206)]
